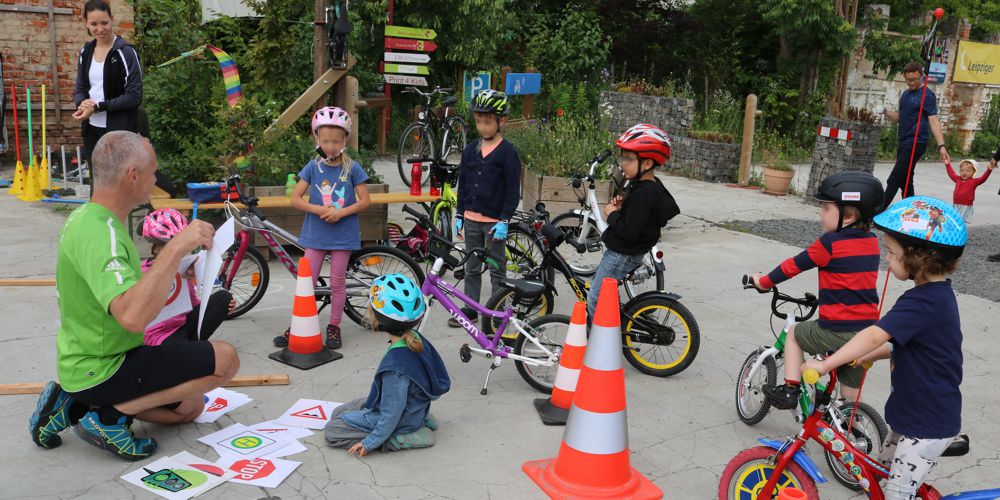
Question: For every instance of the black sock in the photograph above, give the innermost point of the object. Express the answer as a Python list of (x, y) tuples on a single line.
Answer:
[(109, 415), (77, 411)]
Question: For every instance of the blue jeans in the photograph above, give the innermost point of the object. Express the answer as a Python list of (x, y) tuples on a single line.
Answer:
[(613, 265)]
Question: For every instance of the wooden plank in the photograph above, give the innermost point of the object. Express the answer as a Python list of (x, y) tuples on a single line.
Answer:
[(26, 282), (285, 202), (158, 194), (237, 381), (311, 95), (35, 10)]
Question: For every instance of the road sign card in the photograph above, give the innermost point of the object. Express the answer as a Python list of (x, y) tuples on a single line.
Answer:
[(219, 402), (238, 440), (406, 57), (179, 477), (407, 32), (263, 472), (281, 429), (523, 83), (409, 44), (406, 80), (411, 69), (308, 413)]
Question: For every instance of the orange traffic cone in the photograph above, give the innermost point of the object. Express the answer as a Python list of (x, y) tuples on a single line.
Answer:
[(791, 494), (593, 460), (305, 344), (554, 410), (32, 191)]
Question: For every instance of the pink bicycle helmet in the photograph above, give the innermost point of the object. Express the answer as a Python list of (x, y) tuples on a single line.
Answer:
[(161, 225), (331, 116)]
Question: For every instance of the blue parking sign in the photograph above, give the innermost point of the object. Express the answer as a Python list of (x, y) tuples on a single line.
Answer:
[(476, 82), (523, 83)]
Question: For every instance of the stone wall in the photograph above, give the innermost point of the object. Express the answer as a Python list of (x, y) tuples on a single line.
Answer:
[(672, 114), (832, 155), (704, 160), (26, 37)]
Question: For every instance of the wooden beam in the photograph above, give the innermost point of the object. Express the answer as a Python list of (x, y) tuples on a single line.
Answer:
[(310, 96), (26, 282), (238, 381), (34, 10), (55, 62)]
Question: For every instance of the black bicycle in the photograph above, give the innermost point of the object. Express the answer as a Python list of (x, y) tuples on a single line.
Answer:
[(338, 27), (419, 139)]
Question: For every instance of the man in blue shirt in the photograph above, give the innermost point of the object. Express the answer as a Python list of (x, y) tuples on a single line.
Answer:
[(909, 106)]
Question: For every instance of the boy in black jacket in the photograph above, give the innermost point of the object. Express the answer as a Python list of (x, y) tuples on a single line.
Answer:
[(489, 190), (634, 222)]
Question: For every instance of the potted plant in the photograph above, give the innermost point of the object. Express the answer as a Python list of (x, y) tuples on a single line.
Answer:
[(777, 174)]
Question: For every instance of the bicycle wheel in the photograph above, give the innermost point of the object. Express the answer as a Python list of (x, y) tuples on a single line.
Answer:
[(583, 264), (751, 404), (646, 278), (524, 253), (367, 264), (249, 280), (453, 142), (750, 469), (660, 336), (502, 299), (417, 141), (550, 331), (442, 224), (867, 435)]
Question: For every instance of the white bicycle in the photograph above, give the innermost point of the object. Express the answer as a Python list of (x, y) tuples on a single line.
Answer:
[(583, 228)]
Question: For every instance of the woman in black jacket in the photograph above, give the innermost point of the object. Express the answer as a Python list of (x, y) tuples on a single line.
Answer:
[(108, 80)]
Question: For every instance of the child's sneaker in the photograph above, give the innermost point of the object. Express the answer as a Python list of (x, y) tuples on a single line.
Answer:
[(117, 438), (333, 340), (51, 416), (782, 397), (282, 340)]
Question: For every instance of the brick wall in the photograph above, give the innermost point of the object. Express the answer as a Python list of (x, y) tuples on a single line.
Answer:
[(26, 43)]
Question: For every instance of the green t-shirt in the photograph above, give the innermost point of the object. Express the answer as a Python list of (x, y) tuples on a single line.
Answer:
[(97, 262)]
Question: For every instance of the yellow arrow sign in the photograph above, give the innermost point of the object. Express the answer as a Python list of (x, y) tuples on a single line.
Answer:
[(405, 32)]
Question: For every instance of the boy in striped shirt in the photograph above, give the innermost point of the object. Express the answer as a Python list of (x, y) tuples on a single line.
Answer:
[(847, 256)]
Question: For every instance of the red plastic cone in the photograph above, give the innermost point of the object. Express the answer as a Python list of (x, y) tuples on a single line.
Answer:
[(555, 410), (305, 344)]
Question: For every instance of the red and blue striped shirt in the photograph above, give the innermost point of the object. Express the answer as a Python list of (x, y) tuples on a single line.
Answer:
[(848, 270)]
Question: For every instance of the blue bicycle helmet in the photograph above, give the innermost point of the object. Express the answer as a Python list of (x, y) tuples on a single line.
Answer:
[(926, 222), (397, 302)]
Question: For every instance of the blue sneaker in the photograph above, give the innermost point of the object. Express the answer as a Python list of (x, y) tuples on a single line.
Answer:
[(117, 438), (51, 416)]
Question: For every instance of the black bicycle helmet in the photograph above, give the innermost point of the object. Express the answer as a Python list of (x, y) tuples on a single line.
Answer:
[(491, 101), (852, 188)]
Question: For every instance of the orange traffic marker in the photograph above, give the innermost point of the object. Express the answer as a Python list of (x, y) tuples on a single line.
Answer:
[(305, 344), (555, 410), (791, 494)]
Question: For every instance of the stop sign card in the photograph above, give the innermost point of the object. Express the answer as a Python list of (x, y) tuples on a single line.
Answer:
[(308, 413), (263, 472), (219, 402), (240, 441)]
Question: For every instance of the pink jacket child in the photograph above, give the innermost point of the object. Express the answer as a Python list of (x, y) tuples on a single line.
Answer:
[(159, 227), (965, 186)]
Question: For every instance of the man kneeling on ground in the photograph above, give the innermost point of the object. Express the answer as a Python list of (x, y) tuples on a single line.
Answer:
[(107, 376)]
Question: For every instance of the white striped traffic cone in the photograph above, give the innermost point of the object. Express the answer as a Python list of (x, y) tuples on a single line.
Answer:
[(555, 410), (305, 344), (593, 460)]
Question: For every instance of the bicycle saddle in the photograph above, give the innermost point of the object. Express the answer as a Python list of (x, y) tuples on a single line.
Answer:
[(958, 447), (449, 101), (524, 288)]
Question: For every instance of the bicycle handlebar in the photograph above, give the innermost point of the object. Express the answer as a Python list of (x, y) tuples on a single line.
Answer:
[(809, 300), (599, 159), (249, 201)]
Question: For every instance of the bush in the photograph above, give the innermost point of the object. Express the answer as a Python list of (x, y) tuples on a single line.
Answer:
[(561, 147), (711, 136), (984, 145)]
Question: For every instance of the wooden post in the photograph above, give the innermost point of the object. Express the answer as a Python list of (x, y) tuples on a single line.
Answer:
[(746, 153), (311, 95), (351, 106), (321, 58), (529, 101), (503, 78), (55, 63)]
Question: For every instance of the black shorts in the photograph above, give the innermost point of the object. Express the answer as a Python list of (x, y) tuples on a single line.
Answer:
[(149, 369)]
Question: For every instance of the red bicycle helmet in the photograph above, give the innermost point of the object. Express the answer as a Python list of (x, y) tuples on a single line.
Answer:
[(647, 141)]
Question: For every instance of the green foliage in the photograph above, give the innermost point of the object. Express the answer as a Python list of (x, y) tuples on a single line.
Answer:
[(366, 157), (561, 147), (889, 52), (889, 142), (724, 115)]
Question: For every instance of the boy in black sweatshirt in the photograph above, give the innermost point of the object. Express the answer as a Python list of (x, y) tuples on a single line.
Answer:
[(634, 222)]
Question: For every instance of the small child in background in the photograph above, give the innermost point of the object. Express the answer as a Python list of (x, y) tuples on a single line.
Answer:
[(158, 228), (966, 183)]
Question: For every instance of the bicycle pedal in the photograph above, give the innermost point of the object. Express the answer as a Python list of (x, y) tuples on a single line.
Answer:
[(465, 353)]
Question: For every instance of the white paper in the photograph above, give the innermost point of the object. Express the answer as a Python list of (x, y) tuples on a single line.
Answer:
[(294, 447), (179, 299), (273, 427), (220, 402), (308, 413), (263, 472), (224, 238), (179, 477), (239, 441)]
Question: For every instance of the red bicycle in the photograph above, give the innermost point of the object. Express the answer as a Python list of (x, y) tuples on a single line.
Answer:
[(762, 471), (245, 272)]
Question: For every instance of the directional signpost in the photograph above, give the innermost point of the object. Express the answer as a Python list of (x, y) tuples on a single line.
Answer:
[(408, 44), (409, 69), (406, 38), (405, 32), (406, 80), (405, 57)]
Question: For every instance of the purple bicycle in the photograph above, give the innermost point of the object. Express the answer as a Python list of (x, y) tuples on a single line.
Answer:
[(538, 346)]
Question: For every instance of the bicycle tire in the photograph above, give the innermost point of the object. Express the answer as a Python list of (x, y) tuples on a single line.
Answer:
[(524, 253), (501, 300), (249, 281), (867, 421), (442, 223), (542, 378), (751, 404), (635, 286), (747, 472), (367, 264), (681, 324), (422, 147), (454, 140), (583, 264)]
